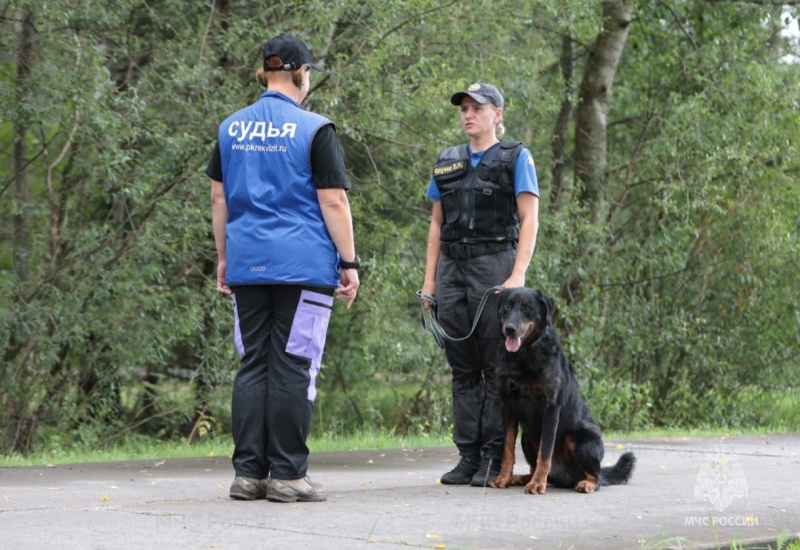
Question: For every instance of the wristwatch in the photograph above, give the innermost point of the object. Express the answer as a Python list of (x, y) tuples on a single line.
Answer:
[(355, 264)]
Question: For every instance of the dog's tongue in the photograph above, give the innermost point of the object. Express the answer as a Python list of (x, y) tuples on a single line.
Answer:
[(513, 344)]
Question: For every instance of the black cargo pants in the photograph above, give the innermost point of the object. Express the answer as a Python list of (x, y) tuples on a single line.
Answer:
[(280, 335), (477, 409)]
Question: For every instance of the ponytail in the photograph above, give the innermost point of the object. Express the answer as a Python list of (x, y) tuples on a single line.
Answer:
[(261, 77)]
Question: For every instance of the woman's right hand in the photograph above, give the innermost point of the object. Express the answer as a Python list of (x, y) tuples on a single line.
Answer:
[(221, 286), (429, 289)]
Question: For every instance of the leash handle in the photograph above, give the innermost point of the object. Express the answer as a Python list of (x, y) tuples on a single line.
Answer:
[(431, 325)]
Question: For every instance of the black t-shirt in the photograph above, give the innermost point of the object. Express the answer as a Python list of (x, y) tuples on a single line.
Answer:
[(327, 162)]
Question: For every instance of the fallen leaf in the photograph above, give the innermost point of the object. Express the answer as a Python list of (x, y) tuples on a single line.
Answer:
[(439, 480), (105, 499), (54, 488), (620, 447), (432, 537), (160, 463), (440, 546), (6, 498), (113, 487)]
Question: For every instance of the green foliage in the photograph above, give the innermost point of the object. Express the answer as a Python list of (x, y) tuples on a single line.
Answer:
[(680, 308)]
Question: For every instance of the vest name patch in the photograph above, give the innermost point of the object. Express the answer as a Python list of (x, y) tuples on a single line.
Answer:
[(447, 169)]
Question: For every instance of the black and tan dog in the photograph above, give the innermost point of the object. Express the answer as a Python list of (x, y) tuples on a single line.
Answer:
[(540, 393)]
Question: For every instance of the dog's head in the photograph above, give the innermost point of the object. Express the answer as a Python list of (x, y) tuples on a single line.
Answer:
[(524, 313)]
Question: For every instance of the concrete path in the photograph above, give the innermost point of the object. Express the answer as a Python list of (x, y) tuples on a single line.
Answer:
[(686, 493)]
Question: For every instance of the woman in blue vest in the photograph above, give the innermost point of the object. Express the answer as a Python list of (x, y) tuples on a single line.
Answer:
[(482, 234), (284, 237)]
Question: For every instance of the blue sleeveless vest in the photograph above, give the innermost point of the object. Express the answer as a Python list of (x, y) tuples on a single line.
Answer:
[(275, 232)]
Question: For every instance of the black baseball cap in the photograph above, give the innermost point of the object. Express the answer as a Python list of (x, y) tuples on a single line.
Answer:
[(292, 52), (480, 92)]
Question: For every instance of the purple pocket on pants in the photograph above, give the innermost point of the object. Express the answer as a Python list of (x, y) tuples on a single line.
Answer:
[(309, 329), (310, 325)]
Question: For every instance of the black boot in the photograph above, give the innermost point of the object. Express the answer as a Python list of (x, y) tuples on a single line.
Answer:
[(463, 472), (488, 469)]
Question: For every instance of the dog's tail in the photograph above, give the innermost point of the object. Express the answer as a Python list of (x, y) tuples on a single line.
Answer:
[(620, 472)]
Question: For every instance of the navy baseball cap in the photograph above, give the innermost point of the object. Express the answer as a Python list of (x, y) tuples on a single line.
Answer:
[(293, 53), (480, 92)]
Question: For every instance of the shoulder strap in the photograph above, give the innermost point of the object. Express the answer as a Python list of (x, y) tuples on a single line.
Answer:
[(457, 152), (510, 150)]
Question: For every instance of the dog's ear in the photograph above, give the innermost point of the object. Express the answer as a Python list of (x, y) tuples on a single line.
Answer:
[(549, 306)]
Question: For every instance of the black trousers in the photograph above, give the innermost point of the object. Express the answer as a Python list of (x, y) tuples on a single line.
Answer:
[(477, 409), (280, 335)]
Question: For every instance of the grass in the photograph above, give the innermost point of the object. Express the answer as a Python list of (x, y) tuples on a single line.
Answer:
[(222, 445), (141, 447), (135, 449), (786, 540), (662, 433)]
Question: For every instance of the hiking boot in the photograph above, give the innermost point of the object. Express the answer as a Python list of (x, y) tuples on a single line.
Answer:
[(292, 490), (248, 488), (463, 472), (488, 470)]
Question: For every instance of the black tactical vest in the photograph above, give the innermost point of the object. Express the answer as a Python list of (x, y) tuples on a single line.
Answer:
[(479, 203)]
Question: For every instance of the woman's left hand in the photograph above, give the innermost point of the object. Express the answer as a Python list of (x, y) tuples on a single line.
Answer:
[(348, 287), (514, 280)]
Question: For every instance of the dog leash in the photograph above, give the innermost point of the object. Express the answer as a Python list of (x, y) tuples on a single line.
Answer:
[(430, 324)]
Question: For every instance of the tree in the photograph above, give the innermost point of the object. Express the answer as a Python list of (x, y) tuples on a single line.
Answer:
[(664, 142)]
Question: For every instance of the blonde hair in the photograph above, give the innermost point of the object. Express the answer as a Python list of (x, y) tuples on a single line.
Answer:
[(261, 77)]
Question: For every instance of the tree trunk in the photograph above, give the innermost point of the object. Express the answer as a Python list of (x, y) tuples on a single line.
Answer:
[(591, 124), (21, 236), (560, 133)]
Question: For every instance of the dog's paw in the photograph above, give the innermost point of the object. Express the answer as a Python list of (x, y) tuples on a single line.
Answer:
[(500, 482), (535, 488), (518, 480), (585, 486), (537, 484)]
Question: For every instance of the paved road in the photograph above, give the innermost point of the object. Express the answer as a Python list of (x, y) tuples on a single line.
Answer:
[(387, 499)]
